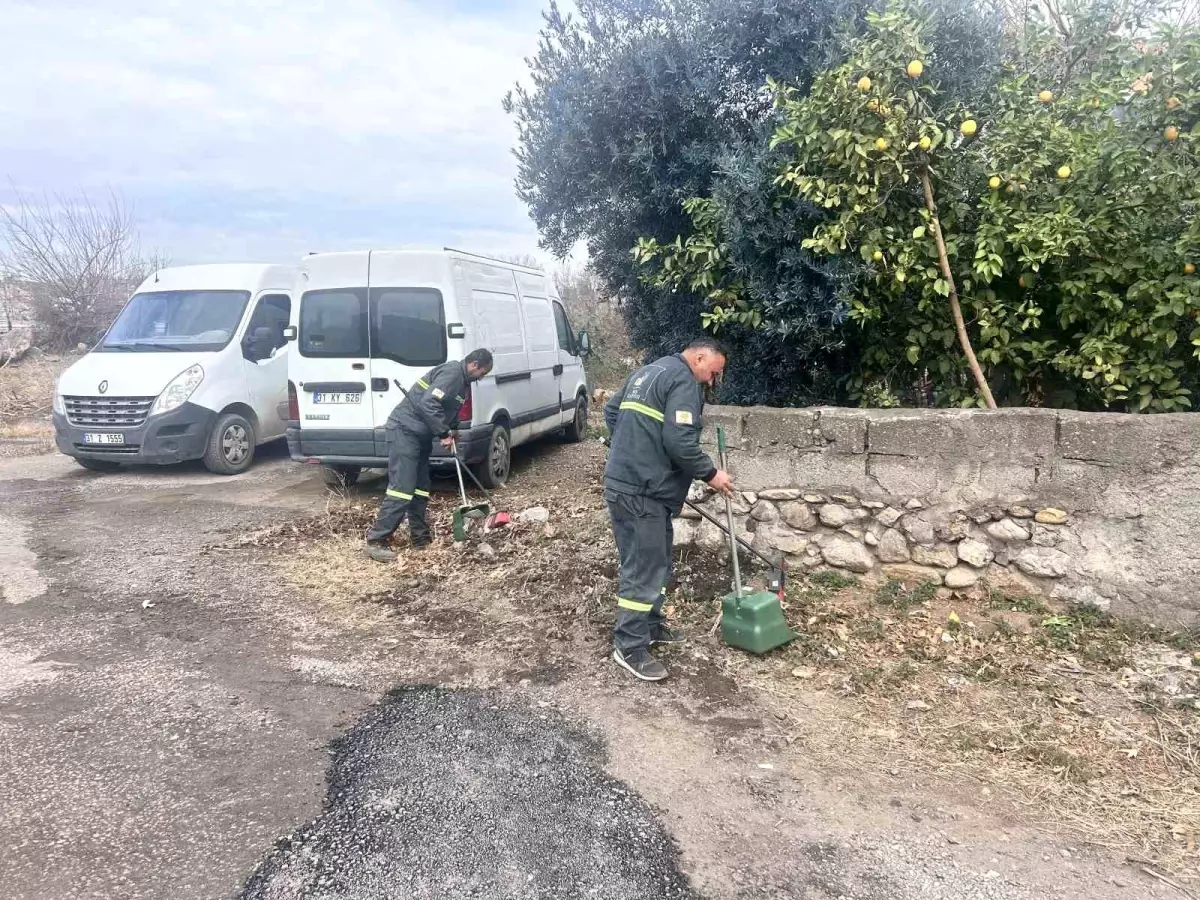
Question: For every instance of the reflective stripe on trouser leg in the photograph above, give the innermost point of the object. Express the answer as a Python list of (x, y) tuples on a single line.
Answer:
[(418, 526), (403, 464), (642, 530)]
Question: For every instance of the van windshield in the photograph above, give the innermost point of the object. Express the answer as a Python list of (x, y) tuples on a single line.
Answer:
[(158, 321)]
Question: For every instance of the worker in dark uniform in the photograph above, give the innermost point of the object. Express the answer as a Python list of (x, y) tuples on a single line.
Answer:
[(654, 422), (429, 411)]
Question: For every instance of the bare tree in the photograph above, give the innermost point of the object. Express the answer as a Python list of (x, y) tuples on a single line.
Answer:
[(77, 261), (593, 310)]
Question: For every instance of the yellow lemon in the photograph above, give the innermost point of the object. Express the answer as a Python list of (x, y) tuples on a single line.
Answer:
[(864, 84), (881, 144), (1045, 96), (915, 68), (877, 255), (925, 143), (1171, 133), (994, 183), (1064, 171), (1189, 269), (968, 128)]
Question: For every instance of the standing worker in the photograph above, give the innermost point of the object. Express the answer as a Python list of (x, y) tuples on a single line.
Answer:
[(429, 410), (654, 421)]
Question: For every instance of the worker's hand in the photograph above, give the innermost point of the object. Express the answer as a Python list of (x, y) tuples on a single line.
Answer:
[(722, 482), (448, 441)]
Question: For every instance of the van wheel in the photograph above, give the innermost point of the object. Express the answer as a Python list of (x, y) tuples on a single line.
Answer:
[(577, 430), (230, 447), (340, 476), (494, 471), (98, 465)]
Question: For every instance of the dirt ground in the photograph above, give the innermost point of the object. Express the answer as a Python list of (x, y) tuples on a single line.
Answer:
[(178, 650)]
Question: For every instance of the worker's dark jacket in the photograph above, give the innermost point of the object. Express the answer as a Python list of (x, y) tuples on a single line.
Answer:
[(655, 423), (433, 402)]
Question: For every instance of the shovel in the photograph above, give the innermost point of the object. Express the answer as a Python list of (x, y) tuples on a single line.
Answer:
[(465, 510), (751, 621)]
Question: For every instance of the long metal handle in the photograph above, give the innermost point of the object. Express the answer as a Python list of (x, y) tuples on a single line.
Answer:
[(462, 491), (733, 547)]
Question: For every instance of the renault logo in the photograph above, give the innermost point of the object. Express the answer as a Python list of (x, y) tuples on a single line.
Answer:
[(104, 387)]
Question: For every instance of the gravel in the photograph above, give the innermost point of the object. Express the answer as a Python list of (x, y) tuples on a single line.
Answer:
[(445, 794)]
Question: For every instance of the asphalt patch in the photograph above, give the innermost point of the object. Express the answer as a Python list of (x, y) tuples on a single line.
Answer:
[(446, 794)]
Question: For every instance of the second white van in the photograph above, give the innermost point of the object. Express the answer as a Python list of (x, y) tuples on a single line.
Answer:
[(368, 323)]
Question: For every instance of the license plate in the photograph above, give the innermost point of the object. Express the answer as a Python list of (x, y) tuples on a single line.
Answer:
[(107, 437), (336, 397)]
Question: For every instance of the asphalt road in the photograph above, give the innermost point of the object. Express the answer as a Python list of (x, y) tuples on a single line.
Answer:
[(165, 717)]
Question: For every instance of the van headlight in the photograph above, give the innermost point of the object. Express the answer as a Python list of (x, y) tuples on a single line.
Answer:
[(59, 406), (176, 393)]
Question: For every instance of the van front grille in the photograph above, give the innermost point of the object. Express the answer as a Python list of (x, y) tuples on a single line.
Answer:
[(122, 412)]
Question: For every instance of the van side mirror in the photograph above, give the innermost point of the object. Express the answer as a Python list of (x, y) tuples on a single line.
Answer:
[(289, 333), (584, 343)]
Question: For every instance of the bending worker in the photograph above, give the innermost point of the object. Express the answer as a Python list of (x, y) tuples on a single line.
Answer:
[(655, 423), (429, 410)]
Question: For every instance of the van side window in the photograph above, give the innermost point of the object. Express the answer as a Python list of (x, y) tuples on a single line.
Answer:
[(274, 311), (408, 326), (334, 323), (566, 339)]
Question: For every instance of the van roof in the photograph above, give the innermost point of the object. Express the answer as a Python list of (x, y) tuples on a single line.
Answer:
[(221, 276), (430, 252)]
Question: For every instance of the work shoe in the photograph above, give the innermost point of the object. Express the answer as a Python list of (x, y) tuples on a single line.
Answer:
[(641, 664), (665, 635), (380, 552)]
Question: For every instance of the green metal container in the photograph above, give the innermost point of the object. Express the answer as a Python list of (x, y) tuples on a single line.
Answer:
[(754, 622)]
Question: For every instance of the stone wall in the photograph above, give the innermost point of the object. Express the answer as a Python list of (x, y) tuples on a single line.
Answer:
[(1083, 507)]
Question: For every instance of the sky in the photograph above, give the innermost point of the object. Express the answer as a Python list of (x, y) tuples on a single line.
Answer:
[(262, 130)]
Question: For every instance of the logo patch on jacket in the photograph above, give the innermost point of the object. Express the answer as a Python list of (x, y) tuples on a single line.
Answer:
[(683, 417), (438, 393)]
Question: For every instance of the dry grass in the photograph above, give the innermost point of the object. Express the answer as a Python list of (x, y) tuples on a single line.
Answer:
[(26, 395), (1088, 725), (1080, 724)]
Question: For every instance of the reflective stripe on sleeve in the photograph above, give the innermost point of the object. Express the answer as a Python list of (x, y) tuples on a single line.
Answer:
[(399, 495), (422, 383), (643, 409), (625, 603), (421, 493)]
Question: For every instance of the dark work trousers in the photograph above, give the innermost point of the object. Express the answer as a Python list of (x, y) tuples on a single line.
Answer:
[(408, 487), (645, 542)]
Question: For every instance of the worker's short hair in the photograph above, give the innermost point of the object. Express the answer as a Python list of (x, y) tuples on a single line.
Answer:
[(712, 345), (481, 358)]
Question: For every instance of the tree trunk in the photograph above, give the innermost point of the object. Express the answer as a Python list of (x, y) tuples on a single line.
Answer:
[(960, 326)]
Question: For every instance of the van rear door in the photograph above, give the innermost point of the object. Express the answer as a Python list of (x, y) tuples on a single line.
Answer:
[(333, 346), (407, 306)]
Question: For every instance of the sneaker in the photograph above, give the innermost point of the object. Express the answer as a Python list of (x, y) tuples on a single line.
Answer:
[(641, 664), (380, 552), (665, 635)]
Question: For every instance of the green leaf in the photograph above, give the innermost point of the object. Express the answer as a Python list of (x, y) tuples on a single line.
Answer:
[(918, 232)]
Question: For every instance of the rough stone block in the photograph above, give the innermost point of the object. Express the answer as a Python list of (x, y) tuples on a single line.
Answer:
[(1013, 435), (844, 430), (1138, 443), (975, 553), (846, 553), (1008, 531), (893, 548), (767, 428), (798, 515), (943, 556), (961, 577), (912, 575)]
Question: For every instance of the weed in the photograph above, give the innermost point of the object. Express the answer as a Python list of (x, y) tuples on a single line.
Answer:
[(833, 581), (870, 630), (1000, 600), (894, 594)]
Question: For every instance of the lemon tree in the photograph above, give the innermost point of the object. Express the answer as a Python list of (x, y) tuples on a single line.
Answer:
[(1038, 244)]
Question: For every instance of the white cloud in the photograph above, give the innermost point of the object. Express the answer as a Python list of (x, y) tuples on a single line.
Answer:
[(270, 130)]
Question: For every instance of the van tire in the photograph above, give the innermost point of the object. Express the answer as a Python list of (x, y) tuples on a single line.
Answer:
[(577, 430), (98, 465), (231, 445), (498, 461), (340, 476)]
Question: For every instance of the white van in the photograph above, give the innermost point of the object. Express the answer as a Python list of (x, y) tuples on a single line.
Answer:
[(194, 367), (371, 320)]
